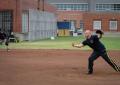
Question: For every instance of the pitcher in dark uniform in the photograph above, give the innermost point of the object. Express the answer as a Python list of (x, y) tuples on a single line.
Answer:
[(98, 50)]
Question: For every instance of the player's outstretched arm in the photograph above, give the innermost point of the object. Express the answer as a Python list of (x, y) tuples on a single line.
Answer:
[(77, 45)]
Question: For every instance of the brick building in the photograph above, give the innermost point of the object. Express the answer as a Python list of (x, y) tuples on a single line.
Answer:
[(89, 14), (13, 12)]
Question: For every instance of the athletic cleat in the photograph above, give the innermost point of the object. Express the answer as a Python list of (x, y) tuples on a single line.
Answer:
[(89, 73), (118, 69)]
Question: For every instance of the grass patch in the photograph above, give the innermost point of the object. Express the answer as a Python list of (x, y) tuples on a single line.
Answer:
[(111, 43)]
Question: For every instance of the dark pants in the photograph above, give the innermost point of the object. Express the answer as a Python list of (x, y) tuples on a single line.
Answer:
[(1, 41), (104, 55)]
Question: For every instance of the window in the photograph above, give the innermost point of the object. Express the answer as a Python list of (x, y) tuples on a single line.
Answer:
[(74, 7), (113, 25), (25, 22), (73, 23), (81, 24), (108, 7), (6, 21), (97, 24)]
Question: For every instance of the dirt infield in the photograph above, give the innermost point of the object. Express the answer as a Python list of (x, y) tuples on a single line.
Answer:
[(54, 67)]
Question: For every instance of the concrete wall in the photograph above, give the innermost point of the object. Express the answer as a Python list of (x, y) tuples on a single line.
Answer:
[(41, 25)]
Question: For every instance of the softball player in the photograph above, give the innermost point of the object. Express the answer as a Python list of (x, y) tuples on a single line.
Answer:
[(4, 39), (98, 50)]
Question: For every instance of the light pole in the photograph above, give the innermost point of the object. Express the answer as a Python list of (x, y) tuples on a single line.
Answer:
[(38, 3), (43, 3)]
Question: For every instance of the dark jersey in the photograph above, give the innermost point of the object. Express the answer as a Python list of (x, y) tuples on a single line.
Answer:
[(2, 35), (94, 43)]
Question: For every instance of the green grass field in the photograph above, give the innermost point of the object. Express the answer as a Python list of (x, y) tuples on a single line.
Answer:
[(111, 43)]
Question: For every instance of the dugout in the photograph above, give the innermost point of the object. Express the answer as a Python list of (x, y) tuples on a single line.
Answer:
[(63, 28)]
